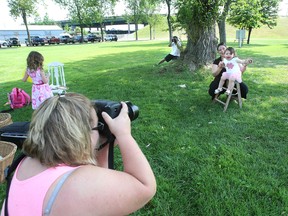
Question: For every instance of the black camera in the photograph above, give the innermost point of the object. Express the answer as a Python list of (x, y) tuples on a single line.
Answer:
[(113, 108)]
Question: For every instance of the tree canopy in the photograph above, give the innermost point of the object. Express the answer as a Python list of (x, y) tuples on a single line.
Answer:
[(24, 9), (85, 12), (253, 14)]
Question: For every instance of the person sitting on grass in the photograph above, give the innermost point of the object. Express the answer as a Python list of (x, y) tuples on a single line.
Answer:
[(175, 45), (233, 72)]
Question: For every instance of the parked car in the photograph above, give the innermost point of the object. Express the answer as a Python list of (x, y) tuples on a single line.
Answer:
[(53, 40), (78, 38), (3, 44), (45, 40), (110, 37), (13, 42), (93, 37), (36, 40), (66, 39)]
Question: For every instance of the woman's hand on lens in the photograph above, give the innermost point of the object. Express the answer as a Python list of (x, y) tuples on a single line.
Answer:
[(121, 125)]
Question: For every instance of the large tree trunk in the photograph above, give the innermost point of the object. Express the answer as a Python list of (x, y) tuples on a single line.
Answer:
[(222, 31), (201, 47), (222, 21), (24, 17)]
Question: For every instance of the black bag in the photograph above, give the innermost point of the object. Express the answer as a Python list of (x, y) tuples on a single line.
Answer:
[(15, 133)]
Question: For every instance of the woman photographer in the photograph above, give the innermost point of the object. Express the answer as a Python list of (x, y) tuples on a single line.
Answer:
[(175, 45), (65, 174)]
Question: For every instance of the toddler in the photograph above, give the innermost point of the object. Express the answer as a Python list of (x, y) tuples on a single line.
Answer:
[(233, 72)]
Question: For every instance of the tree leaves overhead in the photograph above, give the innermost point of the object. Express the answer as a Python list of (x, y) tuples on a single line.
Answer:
[(20, 7), (198, 12), (23, 8), (86, 12), (269, 11), (245, 14), (136, 12), (251, 14)]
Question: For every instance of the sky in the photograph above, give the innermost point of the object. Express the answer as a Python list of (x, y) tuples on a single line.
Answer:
[(56, 13)]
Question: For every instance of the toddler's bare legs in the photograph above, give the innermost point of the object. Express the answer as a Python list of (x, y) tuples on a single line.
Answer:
[(221, 83), (230, 86)]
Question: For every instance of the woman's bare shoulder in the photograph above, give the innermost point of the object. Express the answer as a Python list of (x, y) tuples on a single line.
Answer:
[(95, 189)]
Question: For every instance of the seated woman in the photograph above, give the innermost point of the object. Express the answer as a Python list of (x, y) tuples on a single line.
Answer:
[(218, 68), (233, 72)]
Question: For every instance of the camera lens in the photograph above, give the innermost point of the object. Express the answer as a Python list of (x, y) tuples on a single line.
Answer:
[(133, 110), (113, 108)]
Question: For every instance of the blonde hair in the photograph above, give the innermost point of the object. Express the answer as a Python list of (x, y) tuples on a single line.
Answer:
[(60, 130)]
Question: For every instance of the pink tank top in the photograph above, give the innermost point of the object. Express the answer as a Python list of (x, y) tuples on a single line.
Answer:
[(26, 197)]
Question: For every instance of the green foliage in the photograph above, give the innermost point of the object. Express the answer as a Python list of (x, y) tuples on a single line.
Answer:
[(269, 11), (21, 8), (136, 10), (151, 12), (252, 14), (86, 12), (245, 15), (45, 21), (67, 28), (197, 12)]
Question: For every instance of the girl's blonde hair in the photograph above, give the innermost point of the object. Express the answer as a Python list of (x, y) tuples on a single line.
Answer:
[(35, 60), (60, 130)]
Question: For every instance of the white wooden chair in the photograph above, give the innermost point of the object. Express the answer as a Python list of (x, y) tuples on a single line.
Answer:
[(57, 78)]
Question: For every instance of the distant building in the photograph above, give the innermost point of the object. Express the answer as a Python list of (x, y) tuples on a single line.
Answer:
[(20, 32)]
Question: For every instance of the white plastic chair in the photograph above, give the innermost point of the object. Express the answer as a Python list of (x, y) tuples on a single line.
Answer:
[(57, 78)]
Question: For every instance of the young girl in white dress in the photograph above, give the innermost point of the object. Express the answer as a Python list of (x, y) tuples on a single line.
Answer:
[(233, 72)]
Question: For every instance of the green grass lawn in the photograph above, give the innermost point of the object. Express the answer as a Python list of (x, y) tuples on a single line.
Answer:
[(206, 162)]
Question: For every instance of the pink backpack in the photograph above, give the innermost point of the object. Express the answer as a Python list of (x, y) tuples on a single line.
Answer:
[(18, 98)]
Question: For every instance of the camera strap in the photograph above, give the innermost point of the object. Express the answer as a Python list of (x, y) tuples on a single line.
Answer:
[(111, 155), (110, 141)]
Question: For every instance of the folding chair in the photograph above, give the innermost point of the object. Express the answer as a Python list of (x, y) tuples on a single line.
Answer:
[(226, 103), (57, 77)]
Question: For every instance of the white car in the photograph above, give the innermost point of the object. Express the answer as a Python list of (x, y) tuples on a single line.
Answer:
[(111, 37), (3, 44)]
